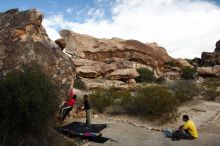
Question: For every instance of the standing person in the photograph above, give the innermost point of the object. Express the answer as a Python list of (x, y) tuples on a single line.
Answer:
[(68, 106), (186, 131), (87, 108)]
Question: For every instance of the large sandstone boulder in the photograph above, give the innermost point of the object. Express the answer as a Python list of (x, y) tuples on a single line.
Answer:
[(61, 43), (117, 54), (210, 59), (23, 40), (182, 63), (217, 49), (209, 71), (104, 83), (196, 61), (88, 71), (172, 74), (105, 50), (123, 74), (86, 62)]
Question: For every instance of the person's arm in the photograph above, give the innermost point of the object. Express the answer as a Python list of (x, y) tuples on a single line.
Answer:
[(181, 127), (71, 93), (82, 107), (72, 83)]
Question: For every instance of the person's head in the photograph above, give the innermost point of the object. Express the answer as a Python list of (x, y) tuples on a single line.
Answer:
[(85, 97), (74, 96), (185, 118)]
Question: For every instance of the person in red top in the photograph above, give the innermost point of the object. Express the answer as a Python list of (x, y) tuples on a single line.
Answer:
[(68, 106)]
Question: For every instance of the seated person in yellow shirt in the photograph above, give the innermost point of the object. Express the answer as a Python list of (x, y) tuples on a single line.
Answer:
[(186, 131)]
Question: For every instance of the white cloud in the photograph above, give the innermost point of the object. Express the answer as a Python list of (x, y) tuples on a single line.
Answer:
[(96, 14), (69, 10), (184, 27), (90, 12)]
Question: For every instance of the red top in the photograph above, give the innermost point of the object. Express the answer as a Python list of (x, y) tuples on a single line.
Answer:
[(71, 102)]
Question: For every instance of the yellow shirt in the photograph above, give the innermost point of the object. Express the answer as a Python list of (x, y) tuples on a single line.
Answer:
[(191, 128)]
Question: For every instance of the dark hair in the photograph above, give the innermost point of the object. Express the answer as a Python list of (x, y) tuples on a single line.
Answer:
[(85, 96), (74, 96), (186, 117)]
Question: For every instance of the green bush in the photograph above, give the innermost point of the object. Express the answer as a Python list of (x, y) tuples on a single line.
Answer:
[(151, 101), (160, 80), (184, 90), (145, 75), (210, 89), (154, 101), (28, 104), (188, 73), (79, 84), (102, 98)]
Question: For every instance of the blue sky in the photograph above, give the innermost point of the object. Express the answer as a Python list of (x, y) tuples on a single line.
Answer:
[(184, 27), (75, 10)]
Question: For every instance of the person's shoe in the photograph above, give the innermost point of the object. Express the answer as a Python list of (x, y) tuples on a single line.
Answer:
[(99, 134), (175, 139)]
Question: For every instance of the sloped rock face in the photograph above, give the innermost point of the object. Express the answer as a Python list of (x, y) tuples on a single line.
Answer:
[(182, 63), (104, 83), (87, 47), (209, 71), (88, 71), (123, 74), (61, 43), (23, 40), (115, 56)]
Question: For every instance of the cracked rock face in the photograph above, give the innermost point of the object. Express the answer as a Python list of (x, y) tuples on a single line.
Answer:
[(209, 71), (209, 63), (88, 47), (114, 55), (210, 59), (23, 40)]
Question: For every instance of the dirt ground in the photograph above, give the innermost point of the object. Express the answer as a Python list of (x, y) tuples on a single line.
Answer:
[(126, 131)]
